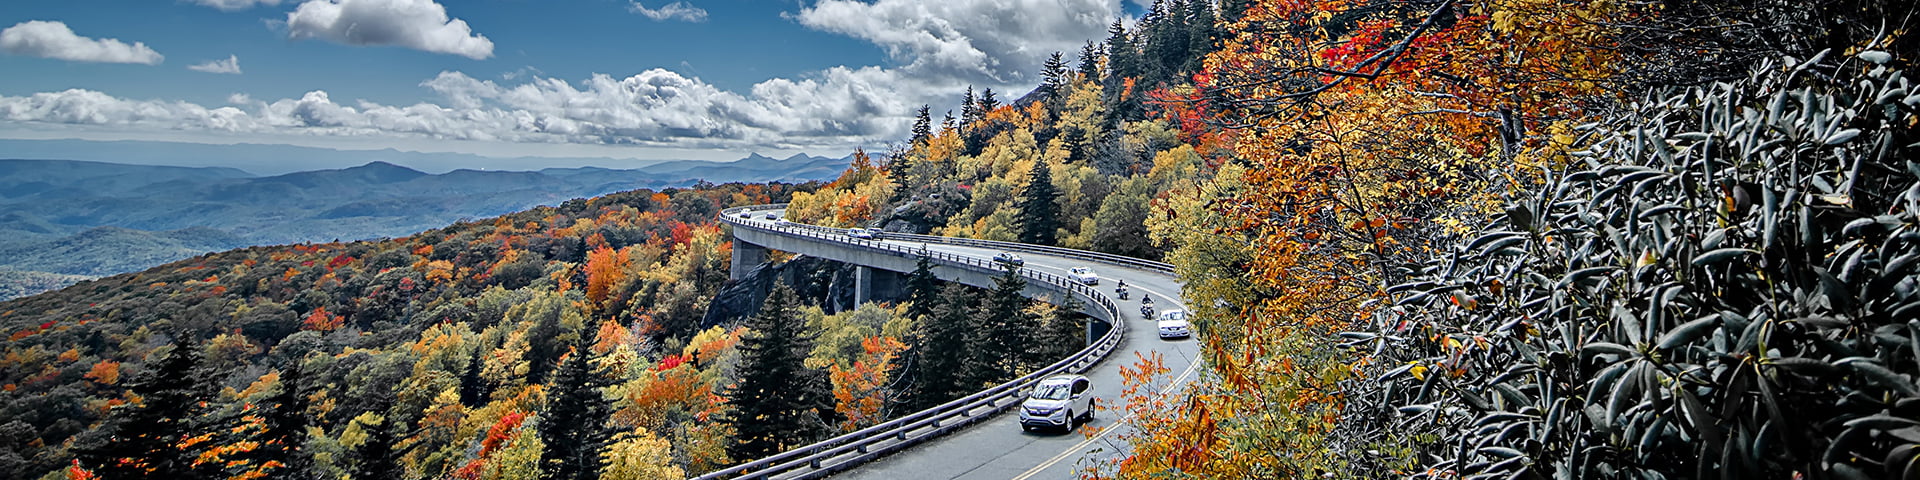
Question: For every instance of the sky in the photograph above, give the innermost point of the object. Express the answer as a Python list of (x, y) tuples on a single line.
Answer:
[(647, 79)]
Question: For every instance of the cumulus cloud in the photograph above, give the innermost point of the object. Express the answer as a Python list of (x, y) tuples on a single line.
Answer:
[(979, 41), (235, 5), (840, 108), (230, 66), (673, 11), (37, 38), (416, 24), (937, 49)]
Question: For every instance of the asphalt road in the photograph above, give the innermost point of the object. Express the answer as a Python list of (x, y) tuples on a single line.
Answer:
[(999, 448)]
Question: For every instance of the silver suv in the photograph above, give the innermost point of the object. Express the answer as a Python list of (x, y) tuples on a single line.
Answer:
[(1060, 401)]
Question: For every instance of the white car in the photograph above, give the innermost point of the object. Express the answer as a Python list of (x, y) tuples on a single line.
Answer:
[(860, 233), (1173, 324), (1083, 275), (1060, 401)]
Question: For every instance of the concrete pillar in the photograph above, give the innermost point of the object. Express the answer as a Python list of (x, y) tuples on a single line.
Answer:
[(862, 285), (746, 257)]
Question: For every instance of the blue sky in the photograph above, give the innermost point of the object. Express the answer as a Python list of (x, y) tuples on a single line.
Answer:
[(563, 78)]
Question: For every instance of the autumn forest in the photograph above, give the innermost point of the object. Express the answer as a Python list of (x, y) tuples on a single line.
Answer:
[(1423, 239)]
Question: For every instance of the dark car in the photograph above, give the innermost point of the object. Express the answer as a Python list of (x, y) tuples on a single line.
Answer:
[(1010, 259)]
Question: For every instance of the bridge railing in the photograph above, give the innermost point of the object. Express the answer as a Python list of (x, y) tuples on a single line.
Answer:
[(852, 449)]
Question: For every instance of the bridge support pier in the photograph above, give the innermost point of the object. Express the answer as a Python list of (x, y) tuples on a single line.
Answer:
[(746, 257), (862, 285)]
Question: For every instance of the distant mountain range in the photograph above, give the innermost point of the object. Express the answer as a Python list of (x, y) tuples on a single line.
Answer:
[(62, 220)]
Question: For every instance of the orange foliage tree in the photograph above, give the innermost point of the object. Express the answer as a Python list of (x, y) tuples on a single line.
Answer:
[(606, 268), (860, 392), (1365, 131)]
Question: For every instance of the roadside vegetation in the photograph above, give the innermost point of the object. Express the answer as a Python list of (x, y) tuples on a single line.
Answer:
[(1451, 239)]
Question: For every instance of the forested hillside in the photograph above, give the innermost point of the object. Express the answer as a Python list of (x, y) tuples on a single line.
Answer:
[(95, 219), (390, 359), (1451, 239)]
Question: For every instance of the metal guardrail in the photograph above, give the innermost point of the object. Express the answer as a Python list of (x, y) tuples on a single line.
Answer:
[(853, 449)]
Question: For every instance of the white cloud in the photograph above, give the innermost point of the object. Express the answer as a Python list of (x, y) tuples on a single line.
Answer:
[(229, 66), (673, 11), (839, 109), (417, 24), (37, 38), (977, 41), (235, 5), (937, 49)]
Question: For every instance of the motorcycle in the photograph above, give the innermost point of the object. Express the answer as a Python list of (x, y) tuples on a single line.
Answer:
[(1122, 291), (1146, 311)]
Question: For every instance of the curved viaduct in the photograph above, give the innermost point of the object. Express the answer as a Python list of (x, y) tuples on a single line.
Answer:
[(965, 438)]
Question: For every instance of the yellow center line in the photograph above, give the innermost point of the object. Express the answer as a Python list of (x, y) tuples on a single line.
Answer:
[(1104, 431)]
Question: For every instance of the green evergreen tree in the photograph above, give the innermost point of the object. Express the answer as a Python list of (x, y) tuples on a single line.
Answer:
[(1234, 10), (1089, 67), (923, 289), (923, 295), (473, 387), (146, 436), (1123, 63), (1054, 81), (987, 102), (1203, 35), (1039, 209), (375, 457), (939, 351), (969, 109), (574, 425), (999, 332), (1075, 141), (284, 440), (1164, 49), (1060, 335), (777, 401), (544, 344), (922, 126)]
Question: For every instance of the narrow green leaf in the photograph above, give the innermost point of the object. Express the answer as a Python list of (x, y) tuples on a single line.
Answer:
[(1721, 255), (1688, 332)]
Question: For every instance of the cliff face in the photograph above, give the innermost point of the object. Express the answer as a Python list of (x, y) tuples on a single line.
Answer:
[(820, 282)]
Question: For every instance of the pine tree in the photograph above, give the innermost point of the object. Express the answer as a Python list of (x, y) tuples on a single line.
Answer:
[(1123, 63), (574, 426), (1054, 81), (1039, 212), (1089, 67), (1061, 334), (987, 103), (923, 294), (1203, 35), (473, 387), (1075, 141), (146, 436), (922, 127), (999, 332), (969, 109), (375, 458), (1234, 10), (284, 440), (939, 350), (923, 290), (776, 403)]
